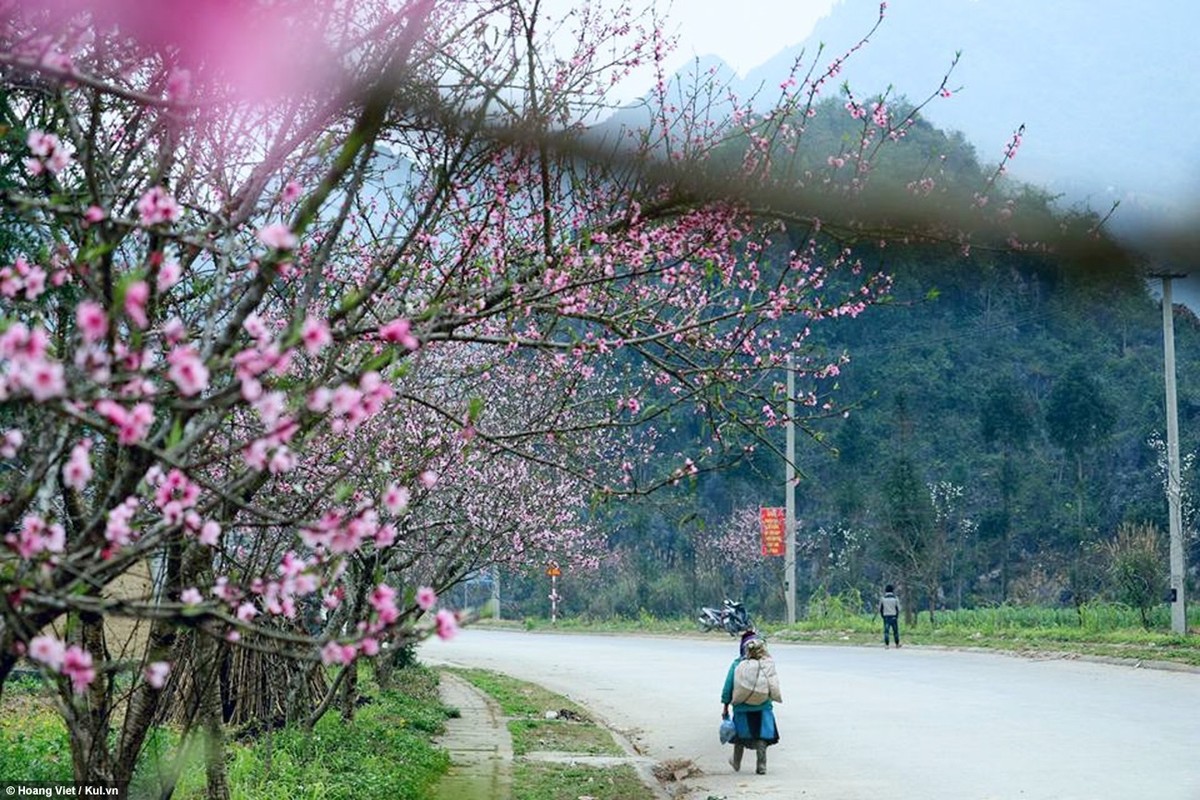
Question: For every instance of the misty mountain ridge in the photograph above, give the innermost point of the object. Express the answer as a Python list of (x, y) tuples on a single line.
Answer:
[(1105, 89)]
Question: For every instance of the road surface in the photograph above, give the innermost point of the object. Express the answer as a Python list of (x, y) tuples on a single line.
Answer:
[(863, 723)]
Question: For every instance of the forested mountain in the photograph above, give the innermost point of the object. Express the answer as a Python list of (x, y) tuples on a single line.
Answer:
[(1056, 68), (991, 430)]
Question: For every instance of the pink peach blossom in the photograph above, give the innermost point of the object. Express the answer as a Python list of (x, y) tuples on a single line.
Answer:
[(315, 334), (291, 192), (77, 472), (11, 443), (210, 533), (187, 370), (399, 331), (48, 650), (137, 295), (447, 624), (426, 598), (156, 206), (168, 275), (278, 236), (92, 321), (395, 499), (77, 665), (156, 673)]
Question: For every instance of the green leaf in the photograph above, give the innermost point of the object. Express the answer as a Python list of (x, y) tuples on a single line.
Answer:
[(351, 300), (380, 361), (474, 408), (176, 434)]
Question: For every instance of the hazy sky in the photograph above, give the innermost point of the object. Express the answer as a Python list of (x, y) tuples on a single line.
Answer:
[(743, 34)]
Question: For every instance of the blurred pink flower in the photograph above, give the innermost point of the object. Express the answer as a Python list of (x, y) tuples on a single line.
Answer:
[(92, 321), (315, 334), (156, 206), (77, 472), (168, 275), (156, 673), (77, 665), (395, 499), (187, 370), (447, 624), (399, 331), (278, 236), (12, 441), (48, 650), (291, 192), (137, 295)]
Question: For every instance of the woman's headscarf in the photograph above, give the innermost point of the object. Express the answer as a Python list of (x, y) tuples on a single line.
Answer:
[(748, 637), (755, 648)]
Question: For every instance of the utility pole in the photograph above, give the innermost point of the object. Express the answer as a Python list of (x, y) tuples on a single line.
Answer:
[(554, 571), (1174, 488), (496, 591), (789, 525)]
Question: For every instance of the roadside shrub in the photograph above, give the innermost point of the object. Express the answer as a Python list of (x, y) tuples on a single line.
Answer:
[(1135, 568)]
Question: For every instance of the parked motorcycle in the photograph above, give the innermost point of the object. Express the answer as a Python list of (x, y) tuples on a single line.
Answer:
[(731, 617)]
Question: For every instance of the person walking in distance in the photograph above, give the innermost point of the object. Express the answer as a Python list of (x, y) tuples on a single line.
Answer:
[(889, 609)]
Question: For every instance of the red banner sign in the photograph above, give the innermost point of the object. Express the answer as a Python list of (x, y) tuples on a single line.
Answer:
[(774, 531)]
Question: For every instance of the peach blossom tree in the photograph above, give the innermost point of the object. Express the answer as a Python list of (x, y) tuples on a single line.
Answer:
[(311, 309)]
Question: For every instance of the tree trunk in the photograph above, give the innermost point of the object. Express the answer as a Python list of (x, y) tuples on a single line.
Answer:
[(298, 703), (91, 758), (350, 692), (325, 704), (1079, 493), (211, 721), (906, 602), (385, 669), (145, 700)]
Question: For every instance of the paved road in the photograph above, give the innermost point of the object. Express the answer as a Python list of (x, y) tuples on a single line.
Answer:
[(865, 723)]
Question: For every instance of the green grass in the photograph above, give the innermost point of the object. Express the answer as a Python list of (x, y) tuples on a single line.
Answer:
[(565, 736), (542, 781), (33, 739), (645, 623), (517, 698), (1100, 629), (525, 704), (385, 754)]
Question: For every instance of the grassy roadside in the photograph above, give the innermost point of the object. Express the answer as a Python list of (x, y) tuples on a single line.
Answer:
[(386, 753), (1106, 631), (569, 733)]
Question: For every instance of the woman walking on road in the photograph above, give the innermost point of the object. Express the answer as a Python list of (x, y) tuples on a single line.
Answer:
[(751, 686)]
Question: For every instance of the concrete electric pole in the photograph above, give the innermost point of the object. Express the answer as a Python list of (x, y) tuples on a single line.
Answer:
[(789, 527), (1174, 489)]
